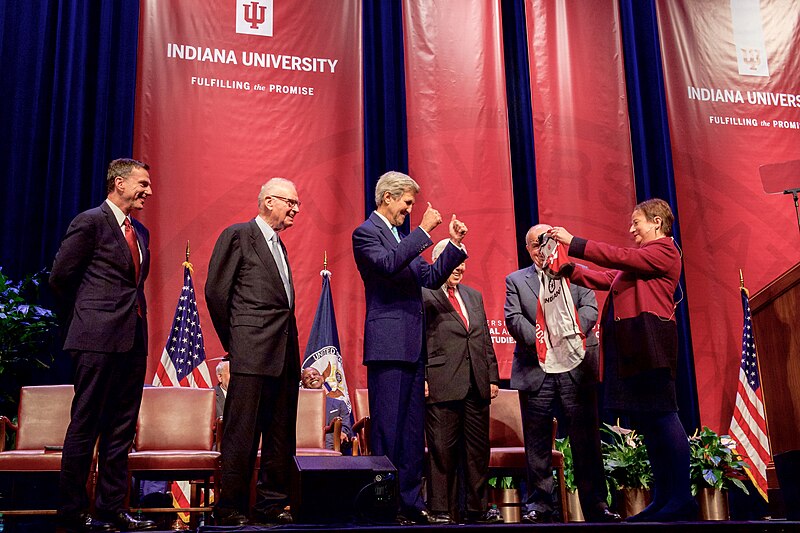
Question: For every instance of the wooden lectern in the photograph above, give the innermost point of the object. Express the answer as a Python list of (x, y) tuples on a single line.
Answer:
[(775, 313)]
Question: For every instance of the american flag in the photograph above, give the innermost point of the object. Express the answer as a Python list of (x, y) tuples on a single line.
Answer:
[(183, 361), (748, 425)]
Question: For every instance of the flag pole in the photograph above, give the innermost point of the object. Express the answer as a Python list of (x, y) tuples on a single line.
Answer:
[(324, 272), (187, 264), (741, 284)]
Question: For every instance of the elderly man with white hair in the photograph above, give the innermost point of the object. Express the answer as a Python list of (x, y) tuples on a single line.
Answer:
[(461, 380)]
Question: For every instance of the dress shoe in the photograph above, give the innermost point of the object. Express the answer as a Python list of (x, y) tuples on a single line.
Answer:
[(412, 517), (686, 512), (537, 517), (127, 522), (440, 518), (492, 516), (606, 516), (228, 517), (83, 522), (272, 518)]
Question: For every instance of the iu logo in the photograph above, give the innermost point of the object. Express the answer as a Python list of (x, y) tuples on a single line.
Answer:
[(254, 17), (751, 57), (748, 37)]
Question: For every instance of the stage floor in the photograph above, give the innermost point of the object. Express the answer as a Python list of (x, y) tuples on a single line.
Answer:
[(47, 524)]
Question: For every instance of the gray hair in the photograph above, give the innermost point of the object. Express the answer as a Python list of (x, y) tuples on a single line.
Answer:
[(221, 366), (439, 248), (395, 183), (270, 187)]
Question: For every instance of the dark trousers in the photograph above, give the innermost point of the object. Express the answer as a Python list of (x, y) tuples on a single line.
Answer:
[(259, 408), (458, 434), (397, 410), (580, 422), (108, 394)]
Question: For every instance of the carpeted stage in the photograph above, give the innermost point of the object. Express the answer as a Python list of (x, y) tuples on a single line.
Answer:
[(47, 524)]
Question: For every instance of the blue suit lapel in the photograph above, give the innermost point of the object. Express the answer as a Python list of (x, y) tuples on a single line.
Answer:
[(532, 279)]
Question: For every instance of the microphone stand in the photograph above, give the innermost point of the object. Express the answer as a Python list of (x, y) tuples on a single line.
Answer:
[(794, 192)]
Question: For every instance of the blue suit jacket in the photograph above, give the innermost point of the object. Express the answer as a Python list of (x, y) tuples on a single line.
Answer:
[(93, 278), (522, 295), (393, 275)]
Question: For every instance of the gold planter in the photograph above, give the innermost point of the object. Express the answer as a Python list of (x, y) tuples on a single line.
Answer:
[(574, 511), (632, 501), (713, 504), (508, 502)]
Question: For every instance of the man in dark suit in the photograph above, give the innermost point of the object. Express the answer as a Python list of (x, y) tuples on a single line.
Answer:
[(98, 276), (461, 379), (250, 297), (223, 372), (394, 274), (561, 371)]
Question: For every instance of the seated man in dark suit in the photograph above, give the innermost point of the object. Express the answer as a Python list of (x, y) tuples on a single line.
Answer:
[(221, 389), (312, 379)]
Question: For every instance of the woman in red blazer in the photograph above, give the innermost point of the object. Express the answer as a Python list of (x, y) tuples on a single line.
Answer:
[(639, 342)]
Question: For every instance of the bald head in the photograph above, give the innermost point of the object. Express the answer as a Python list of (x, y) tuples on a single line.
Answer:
[(532, 242)]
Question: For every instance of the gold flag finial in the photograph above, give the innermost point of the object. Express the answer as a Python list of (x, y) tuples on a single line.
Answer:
[(325, 260), (187, 264), (741, 284)]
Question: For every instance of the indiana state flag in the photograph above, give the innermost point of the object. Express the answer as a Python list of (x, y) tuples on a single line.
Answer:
[(322, 351)]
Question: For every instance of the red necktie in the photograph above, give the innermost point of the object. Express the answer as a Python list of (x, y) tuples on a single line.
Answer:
[(133, 246), (451, 295)]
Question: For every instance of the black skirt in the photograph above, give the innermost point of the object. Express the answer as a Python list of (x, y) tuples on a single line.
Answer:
[(651, 390)]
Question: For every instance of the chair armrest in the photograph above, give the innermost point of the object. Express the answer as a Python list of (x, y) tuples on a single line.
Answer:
[(218, 433), (361, 424), (362, 429), (5, 423), (356, 444), (336, 429)]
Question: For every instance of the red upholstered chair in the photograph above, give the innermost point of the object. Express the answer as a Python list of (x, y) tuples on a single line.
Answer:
[(43, 417), (175, 438), (361, 428), (508, 445), (311, 427)]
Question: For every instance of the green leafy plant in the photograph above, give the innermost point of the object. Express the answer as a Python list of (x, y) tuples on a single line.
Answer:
[(27, 332), (562, 445), (625, 459), (714, 463), (503, 482)]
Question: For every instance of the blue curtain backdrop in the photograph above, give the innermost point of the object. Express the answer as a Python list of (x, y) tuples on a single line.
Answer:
[(66, 102), (652, 164), (67, 108)]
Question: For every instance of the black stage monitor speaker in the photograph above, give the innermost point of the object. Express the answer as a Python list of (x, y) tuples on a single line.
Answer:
[(787, 467), (343, 489)]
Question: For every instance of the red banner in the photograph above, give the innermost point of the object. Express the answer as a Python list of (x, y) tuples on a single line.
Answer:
[(731, 71), (458, 146), (581, 132), (230, 94)]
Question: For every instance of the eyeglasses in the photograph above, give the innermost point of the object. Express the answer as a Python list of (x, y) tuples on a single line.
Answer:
[(291, 202)]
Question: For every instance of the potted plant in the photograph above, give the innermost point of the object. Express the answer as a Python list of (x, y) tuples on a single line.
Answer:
[(573, 501), (714, 468), (504, 493), (26, 336), (627, 468)]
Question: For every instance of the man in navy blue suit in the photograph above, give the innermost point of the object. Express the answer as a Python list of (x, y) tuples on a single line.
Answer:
[(98, 276), (394, 274)]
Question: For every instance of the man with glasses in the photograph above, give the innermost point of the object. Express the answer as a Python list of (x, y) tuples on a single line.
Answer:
[(555, 362), (250, 298), (394, 274)]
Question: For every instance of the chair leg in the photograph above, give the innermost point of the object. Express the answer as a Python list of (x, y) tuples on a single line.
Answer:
[(562, 489)]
